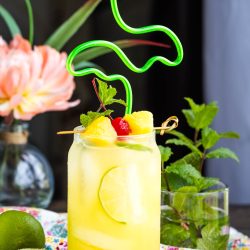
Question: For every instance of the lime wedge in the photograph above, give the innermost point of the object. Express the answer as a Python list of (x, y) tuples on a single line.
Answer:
[(113, 194)]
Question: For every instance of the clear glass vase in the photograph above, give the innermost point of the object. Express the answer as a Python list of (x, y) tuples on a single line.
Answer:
[(26, 178), (195, 220)]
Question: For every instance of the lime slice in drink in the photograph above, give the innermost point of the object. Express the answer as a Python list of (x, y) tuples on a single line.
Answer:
[(113, 194)]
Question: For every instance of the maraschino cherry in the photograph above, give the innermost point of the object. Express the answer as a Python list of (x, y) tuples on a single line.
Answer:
[(121, 126)]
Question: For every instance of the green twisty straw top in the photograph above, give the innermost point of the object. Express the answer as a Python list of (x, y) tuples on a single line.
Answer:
[(123, 57)]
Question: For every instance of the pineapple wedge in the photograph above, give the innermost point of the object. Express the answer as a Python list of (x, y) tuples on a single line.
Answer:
[(100, 132), (140, 122)]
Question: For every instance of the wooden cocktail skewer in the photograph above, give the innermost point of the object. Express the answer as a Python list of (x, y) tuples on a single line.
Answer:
[(165, 127), (68, 132)]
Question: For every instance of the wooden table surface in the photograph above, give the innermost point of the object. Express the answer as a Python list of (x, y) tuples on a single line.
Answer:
[(239, 215)]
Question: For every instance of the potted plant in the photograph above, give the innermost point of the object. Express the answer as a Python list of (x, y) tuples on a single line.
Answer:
[(194, 211)]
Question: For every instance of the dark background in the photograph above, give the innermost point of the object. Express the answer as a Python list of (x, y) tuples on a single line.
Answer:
[(160, 90)]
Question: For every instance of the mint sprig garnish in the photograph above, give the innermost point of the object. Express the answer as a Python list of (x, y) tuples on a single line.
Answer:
[(106, 96)]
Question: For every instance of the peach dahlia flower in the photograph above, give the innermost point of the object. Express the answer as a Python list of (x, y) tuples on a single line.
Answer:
[(33, 81)]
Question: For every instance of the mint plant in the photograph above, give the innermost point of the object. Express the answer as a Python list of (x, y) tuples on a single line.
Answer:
[(190, 220)]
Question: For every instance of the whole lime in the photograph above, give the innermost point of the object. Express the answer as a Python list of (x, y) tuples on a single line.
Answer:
[(20, 230)]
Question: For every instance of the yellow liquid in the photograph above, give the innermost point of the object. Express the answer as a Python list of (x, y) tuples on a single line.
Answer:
[(128, 216)]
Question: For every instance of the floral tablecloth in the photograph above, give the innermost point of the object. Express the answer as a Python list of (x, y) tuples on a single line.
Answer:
[(55, 227)]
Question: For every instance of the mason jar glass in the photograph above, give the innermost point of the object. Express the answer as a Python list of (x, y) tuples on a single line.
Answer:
[(114, 193)]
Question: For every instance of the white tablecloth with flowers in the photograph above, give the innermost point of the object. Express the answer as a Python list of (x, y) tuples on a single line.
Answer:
[(55, 227)]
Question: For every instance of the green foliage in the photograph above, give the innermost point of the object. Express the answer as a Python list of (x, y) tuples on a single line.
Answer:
[(188, 169), (200, 116), (222, 153), (180, 142), (229, 135), (60, 37), (174, 181), (188, 175), (107, 94), (192, 158), (209, 137), (166, 152), (68, 29), (31, 21), (188, 205), (10, 21), (206, 182), (174, 234), (191, 219), (212, 238), (95, 52)]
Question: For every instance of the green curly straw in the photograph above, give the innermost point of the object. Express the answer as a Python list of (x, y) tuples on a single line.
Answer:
[(122, 56)]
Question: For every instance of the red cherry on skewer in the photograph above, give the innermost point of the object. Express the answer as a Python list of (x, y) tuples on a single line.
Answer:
[(121, 126)]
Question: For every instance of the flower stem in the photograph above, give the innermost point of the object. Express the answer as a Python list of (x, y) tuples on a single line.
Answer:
[(8, 120)]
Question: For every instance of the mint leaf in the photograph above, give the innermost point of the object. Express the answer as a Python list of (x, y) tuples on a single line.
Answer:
[(181, 136), (175, 181), (222, 153), (193, 159), (174, 234), (229, 134), (133, 146), (212, 238), (186, 175), (200, 116), (210, 211), (180, 142), (209, 137), (190, 117), (196, 108), (188, 204), (182, 198), (206, 182), (107, 94), (166, 152), (86, 119), (168, 214), (185, 171)]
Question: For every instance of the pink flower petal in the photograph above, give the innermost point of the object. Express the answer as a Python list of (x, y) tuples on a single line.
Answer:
[(20, 43), (33, 81)]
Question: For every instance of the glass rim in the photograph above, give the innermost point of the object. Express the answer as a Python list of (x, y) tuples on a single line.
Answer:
[(223, 188)]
